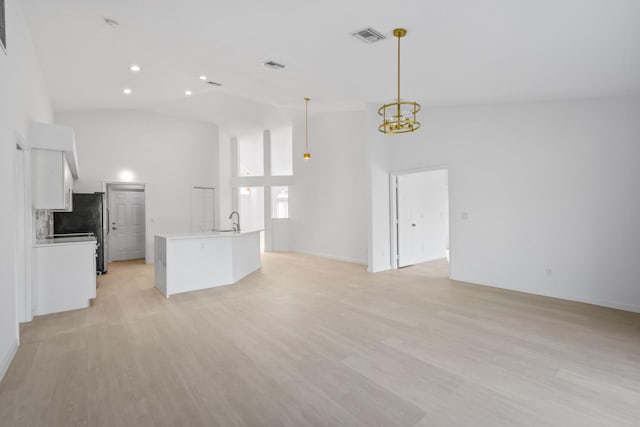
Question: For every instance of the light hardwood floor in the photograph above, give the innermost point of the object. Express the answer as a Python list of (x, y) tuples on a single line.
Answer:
[(312, 342)]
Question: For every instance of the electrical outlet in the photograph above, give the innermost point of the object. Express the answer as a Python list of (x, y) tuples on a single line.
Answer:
[(464, 216)]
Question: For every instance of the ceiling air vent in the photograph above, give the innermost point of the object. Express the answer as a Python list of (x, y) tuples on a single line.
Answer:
[(110, 22), (275, 65), (368, 35), (214, 83)]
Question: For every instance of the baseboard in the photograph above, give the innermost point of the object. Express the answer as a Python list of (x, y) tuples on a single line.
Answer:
[(380, 269), (337, 258), (593, 301), (6, 361)]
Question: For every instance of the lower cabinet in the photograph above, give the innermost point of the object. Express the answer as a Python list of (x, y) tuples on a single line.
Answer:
[(64, 276)]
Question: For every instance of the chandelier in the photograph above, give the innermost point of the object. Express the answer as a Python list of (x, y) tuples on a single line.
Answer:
[(399, 116)]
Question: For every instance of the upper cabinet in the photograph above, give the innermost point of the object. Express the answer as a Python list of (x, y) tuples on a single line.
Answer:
[(54, 166), (52, 180)]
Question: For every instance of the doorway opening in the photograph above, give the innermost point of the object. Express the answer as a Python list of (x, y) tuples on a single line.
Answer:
[(126, 231), (419, 217)]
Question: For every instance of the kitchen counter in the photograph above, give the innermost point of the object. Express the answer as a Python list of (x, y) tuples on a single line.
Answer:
[(206, 235), (191, 261), (64, 241), (64, 274)]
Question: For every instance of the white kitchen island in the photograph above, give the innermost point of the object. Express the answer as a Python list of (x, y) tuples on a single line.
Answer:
[(192, 261)]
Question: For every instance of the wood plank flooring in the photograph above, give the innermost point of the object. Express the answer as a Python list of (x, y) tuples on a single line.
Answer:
[(308, 341)]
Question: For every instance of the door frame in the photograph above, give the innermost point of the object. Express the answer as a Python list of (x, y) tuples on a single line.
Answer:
[(106, 185), (393, 210), (24, 309)]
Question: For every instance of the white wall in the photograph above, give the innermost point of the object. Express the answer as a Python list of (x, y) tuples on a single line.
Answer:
[(377, 149), (328, 204), (23, 97), (550, 189), (168, 155), (282, 240)]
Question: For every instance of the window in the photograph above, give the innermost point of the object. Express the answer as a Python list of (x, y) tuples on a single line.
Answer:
[(251, 155), (279, 202), (281, 152), (202, 209), (264, 160)]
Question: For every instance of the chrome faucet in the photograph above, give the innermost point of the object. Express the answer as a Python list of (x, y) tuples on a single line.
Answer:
[(235, 225)]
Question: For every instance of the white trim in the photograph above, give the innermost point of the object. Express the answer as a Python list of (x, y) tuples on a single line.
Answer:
[(266, 210), (573, 298), (333, 257), (6, 361), (393, 220), (28, 227), (421, 169), (262, 181)]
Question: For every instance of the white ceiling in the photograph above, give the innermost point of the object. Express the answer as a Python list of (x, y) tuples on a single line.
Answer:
[(456, 52)]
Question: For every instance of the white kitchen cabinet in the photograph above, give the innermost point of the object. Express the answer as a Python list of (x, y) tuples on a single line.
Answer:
[(64, 274), (54, 165), (52, 180)]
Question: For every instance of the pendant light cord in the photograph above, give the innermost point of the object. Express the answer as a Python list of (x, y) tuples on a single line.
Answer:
[(399, 77), (306, 124)]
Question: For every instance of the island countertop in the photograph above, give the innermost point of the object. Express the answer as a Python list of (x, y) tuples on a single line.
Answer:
[(207, 234)]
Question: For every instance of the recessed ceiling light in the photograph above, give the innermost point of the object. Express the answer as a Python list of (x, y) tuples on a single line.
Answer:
[(187, 92), (203, 77), (135, 68), (127, 91)]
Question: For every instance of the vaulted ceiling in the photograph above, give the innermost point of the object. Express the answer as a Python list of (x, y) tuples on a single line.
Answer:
[(456, 52)]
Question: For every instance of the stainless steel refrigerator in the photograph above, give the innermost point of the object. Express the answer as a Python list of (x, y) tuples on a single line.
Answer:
[(89, 216)]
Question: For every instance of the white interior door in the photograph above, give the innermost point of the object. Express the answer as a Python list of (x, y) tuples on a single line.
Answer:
[(423, 216), (127, 237)]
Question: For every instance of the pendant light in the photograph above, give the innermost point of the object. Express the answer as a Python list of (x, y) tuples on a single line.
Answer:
[(306, 155), (399, 116)]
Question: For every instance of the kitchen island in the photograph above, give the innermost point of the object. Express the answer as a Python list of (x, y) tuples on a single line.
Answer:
[(193, 261)]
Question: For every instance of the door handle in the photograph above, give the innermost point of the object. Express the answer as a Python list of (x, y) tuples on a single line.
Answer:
[(113, 228)]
